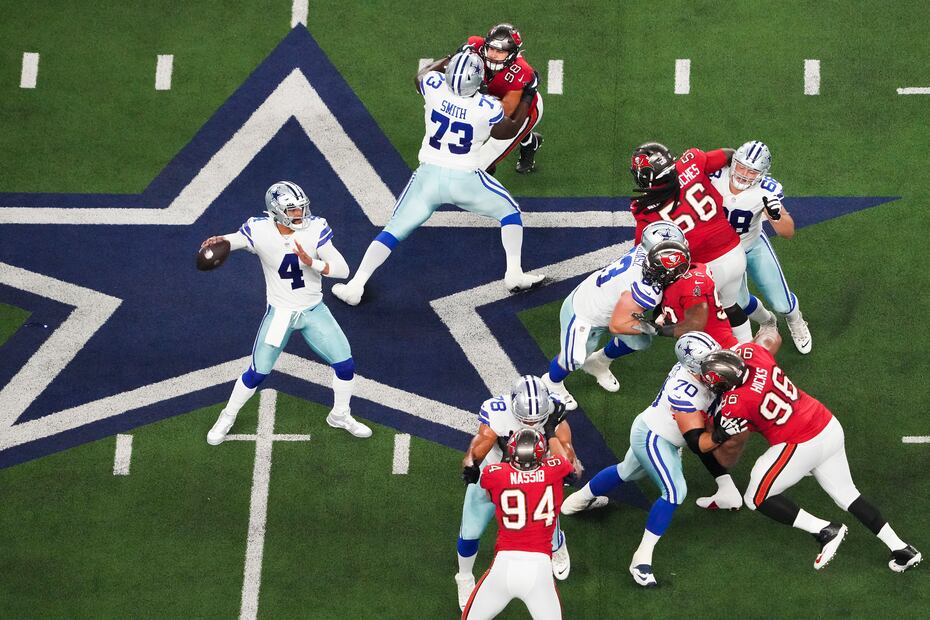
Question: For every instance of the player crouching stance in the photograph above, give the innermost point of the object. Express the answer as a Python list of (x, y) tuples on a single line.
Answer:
[(674, 419), (529, 405), (526, 494), (296, 250), (804, 438)]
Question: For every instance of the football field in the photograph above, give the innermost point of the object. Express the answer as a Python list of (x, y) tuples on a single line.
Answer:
[(131, 131)]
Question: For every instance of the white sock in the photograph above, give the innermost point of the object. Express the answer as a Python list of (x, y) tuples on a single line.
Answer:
[(375, 255), (643, 554), (512, 240), (586, 493), (891, 540), (795, 315), (808, 522), (725, 483), (342, 393), (743, 332), (240, 395), (467, 565), (762, 315)]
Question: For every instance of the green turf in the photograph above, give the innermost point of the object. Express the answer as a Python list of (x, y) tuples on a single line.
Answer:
[(346, 538)]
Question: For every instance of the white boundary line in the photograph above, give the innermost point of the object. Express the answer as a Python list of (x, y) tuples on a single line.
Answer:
[(123, 455), (554, 77), (299, 11), (811, 77), (164, 66), (916, 439), (682, 76), (30, 74), (914, 90), (401, 464)]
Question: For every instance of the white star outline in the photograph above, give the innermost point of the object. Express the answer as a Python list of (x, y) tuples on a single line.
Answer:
[(294, 97)]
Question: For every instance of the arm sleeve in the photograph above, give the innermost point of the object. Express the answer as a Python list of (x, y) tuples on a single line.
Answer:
[(238, 240), (497, 115), (484, 417), (644, 295), (338, 267), (716, 160)]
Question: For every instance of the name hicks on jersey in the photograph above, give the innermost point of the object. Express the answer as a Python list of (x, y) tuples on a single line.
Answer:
[(523, 477), (453, 110), (758, 380)]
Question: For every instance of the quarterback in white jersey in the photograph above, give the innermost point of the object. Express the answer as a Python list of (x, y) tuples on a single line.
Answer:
[(458, 120), (296, 250), (612, 300), (674, 419), (750, 197), (529, 405)]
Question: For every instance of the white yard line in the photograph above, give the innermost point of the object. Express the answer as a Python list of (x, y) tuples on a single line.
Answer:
[(914, 90), (163, 69), (123, 455), (275, 437), (916, 439), (811, 77), (423, 62), (299, 13), (30, 74), (401, 454), (554, 77), (682, 76)]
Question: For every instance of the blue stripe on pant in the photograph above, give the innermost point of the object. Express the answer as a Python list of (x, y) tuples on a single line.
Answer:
[(651, 455)]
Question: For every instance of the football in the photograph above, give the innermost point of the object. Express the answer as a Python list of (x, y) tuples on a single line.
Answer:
[(213, 255)]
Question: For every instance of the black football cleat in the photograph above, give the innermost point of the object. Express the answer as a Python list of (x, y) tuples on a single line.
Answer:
[(527, 161), (829, 538), (903, 559)]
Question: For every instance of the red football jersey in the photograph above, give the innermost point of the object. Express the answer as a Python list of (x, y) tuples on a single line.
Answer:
[(699, 213), (513, 77), (527, 503), (693, 288), (773, 405)]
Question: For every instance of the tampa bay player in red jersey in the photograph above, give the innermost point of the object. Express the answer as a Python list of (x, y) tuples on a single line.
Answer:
[(804, 438), (527, 495), (506, 73), (680, 191)]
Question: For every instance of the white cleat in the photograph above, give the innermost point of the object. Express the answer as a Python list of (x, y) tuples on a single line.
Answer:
[(721, 500), (224, 423), (642, 575), (344, 419), (561, 562), (800, 334), (560, 392), (349, 292), (829, 538), (516, 282), (577, 503), (466, 584), (598, 366)]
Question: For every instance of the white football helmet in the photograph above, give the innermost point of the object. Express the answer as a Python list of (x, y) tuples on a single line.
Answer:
[(661, 231), (285, 195), (693, 347), (464, 74), (751, 162), (530, 400)]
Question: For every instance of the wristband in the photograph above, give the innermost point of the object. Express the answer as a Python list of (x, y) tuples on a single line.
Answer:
[(319, 266), (667, 330)]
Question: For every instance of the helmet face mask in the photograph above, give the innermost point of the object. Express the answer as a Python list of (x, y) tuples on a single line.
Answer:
[(530, 402), (660, 231), (504, 38), (751, 162), (666, 261), (526, 449), (692, 348), (651, 165), (284, 196), (464, 74), (723, 370)]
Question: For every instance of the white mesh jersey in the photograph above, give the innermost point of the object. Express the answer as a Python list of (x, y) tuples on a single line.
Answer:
[(289, 284), (744, 210), (594, 299), (496, 413), (681, 391), (456, 127)]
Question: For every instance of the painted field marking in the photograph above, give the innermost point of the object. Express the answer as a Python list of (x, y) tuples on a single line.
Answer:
[(811, 77), (163, 69), (401, 454), (123, 455), (682, 76), (916, 439), (299, 12), (30, 74), (554, 78), (914, 90), (424, 62)]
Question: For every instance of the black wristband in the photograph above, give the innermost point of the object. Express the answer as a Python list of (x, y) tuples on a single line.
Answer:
[(667, 330), (712, 465), (693, 439)]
